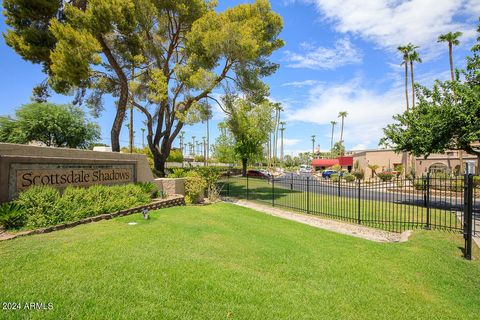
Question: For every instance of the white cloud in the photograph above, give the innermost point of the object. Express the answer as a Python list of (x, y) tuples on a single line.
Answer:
[(343, 53), (391, 23), (300, 84), (359, 147), (288, 142), (368, 110)]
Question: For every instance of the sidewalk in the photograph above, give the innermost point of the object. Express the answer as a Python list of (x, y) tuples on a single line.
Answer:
[(358, 231)]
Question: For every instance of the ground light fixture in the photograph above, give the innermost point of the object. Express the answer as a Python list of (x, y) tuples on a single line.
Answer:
[(145, 213)]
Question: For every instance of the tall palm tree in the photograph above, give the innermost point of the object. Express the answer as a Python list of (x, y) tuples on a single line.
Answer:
[(313, 144), (193, 143), (452, 39), (414, 57), (342, 114), (406, 52), (278, 110), (182, 137), (333, 123)]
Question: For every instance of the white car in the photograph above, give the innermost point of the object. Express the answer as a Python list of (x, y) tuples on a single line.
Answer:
[(305, 169)]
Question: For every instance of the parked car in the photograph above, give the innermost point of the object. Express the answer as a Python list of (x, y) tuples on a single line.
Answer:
[(327, 173), (305, 169), (265, 172), (257, 174)]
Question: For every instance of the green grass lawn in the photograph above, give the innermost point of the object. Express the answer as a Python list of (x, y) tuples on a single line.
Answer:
[(386, 215), (228, 262)]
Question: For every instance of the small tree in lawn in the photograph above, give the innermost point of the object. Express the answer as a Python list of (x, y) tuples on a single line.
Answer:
[(250, 124), (373, 168), (55, 125)]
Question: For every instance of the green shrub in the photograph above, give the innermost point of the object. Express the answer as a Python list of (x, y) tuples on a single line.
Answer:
[(360, 175), (12, 216), (440, 175), (195, 186), (476, 181), (176, 155), (211, 176), (42, 208), (349, 177), (335, 177), (148, 188), (456, 185), (177, 173), (385, 176), (95, 200), (420, 185), (336, 167)]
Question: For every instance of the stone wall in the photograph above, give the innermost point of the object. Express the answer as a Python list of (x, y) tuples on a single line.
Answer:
[(61, 164), (171, 185)]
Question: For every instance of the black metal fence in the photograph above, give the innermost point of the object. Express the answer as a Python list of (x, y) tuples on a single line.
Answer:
[(430, 202)]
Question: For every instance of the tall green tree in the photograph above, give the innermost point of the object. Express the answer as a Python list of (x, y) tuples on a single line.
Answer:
[(54, 34), (447, 116), (333, 123), (414, 57), (173, 54), (250, 124), (54, 125), (202, 50), (165, 57), (343, 115), (451, 38), (406, 52), (224, 147)]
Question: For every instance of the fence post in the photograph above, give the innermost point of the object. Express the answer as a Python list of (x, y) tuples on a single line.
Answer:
[(228, 183), (247, 186), (339, 179), (308, 194), (468, 216), (358, 203), (427, 200), (273, 191), (291, 181)]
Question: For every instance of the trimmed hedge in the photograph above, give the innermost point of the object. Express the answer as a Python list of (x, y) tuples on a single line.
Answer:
[(44, 206)]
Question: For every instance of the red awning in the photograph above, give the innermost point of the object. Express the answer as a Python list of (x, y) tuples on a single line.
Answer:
[(345, 161), (342, 161), (324, 162)]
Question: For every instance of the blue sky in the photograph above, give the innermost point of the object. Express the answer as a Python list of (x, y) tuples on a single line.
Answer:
[(339, 56)]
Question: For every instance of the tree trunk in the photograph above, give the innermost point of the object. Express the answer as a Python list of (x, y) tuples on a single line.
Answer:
[(341, 132), (413, 85), (450, 53), (477, 171), (244, 167), (159, 163), (406, 82), (117, 122)]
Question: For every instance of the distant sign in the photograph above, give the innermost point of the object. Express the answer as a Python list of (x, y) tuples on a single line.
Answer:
[(23, 176)]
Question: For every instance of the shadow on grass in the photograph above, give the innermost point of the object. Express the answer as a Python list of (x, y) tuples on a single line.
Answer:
[(258, 189)]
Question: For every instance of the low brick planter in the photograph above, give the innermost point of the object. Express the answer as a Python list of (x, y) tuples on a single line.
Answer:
[(171, 201)]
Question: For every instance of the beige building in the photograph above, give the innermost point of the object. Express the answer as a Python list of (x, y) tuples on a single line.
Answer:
[(387, 159)]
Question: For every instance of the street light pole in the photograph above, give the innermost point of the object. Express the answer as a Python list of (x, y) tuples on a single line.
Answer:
[(282, 128), (313, 143), (143, 137)]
